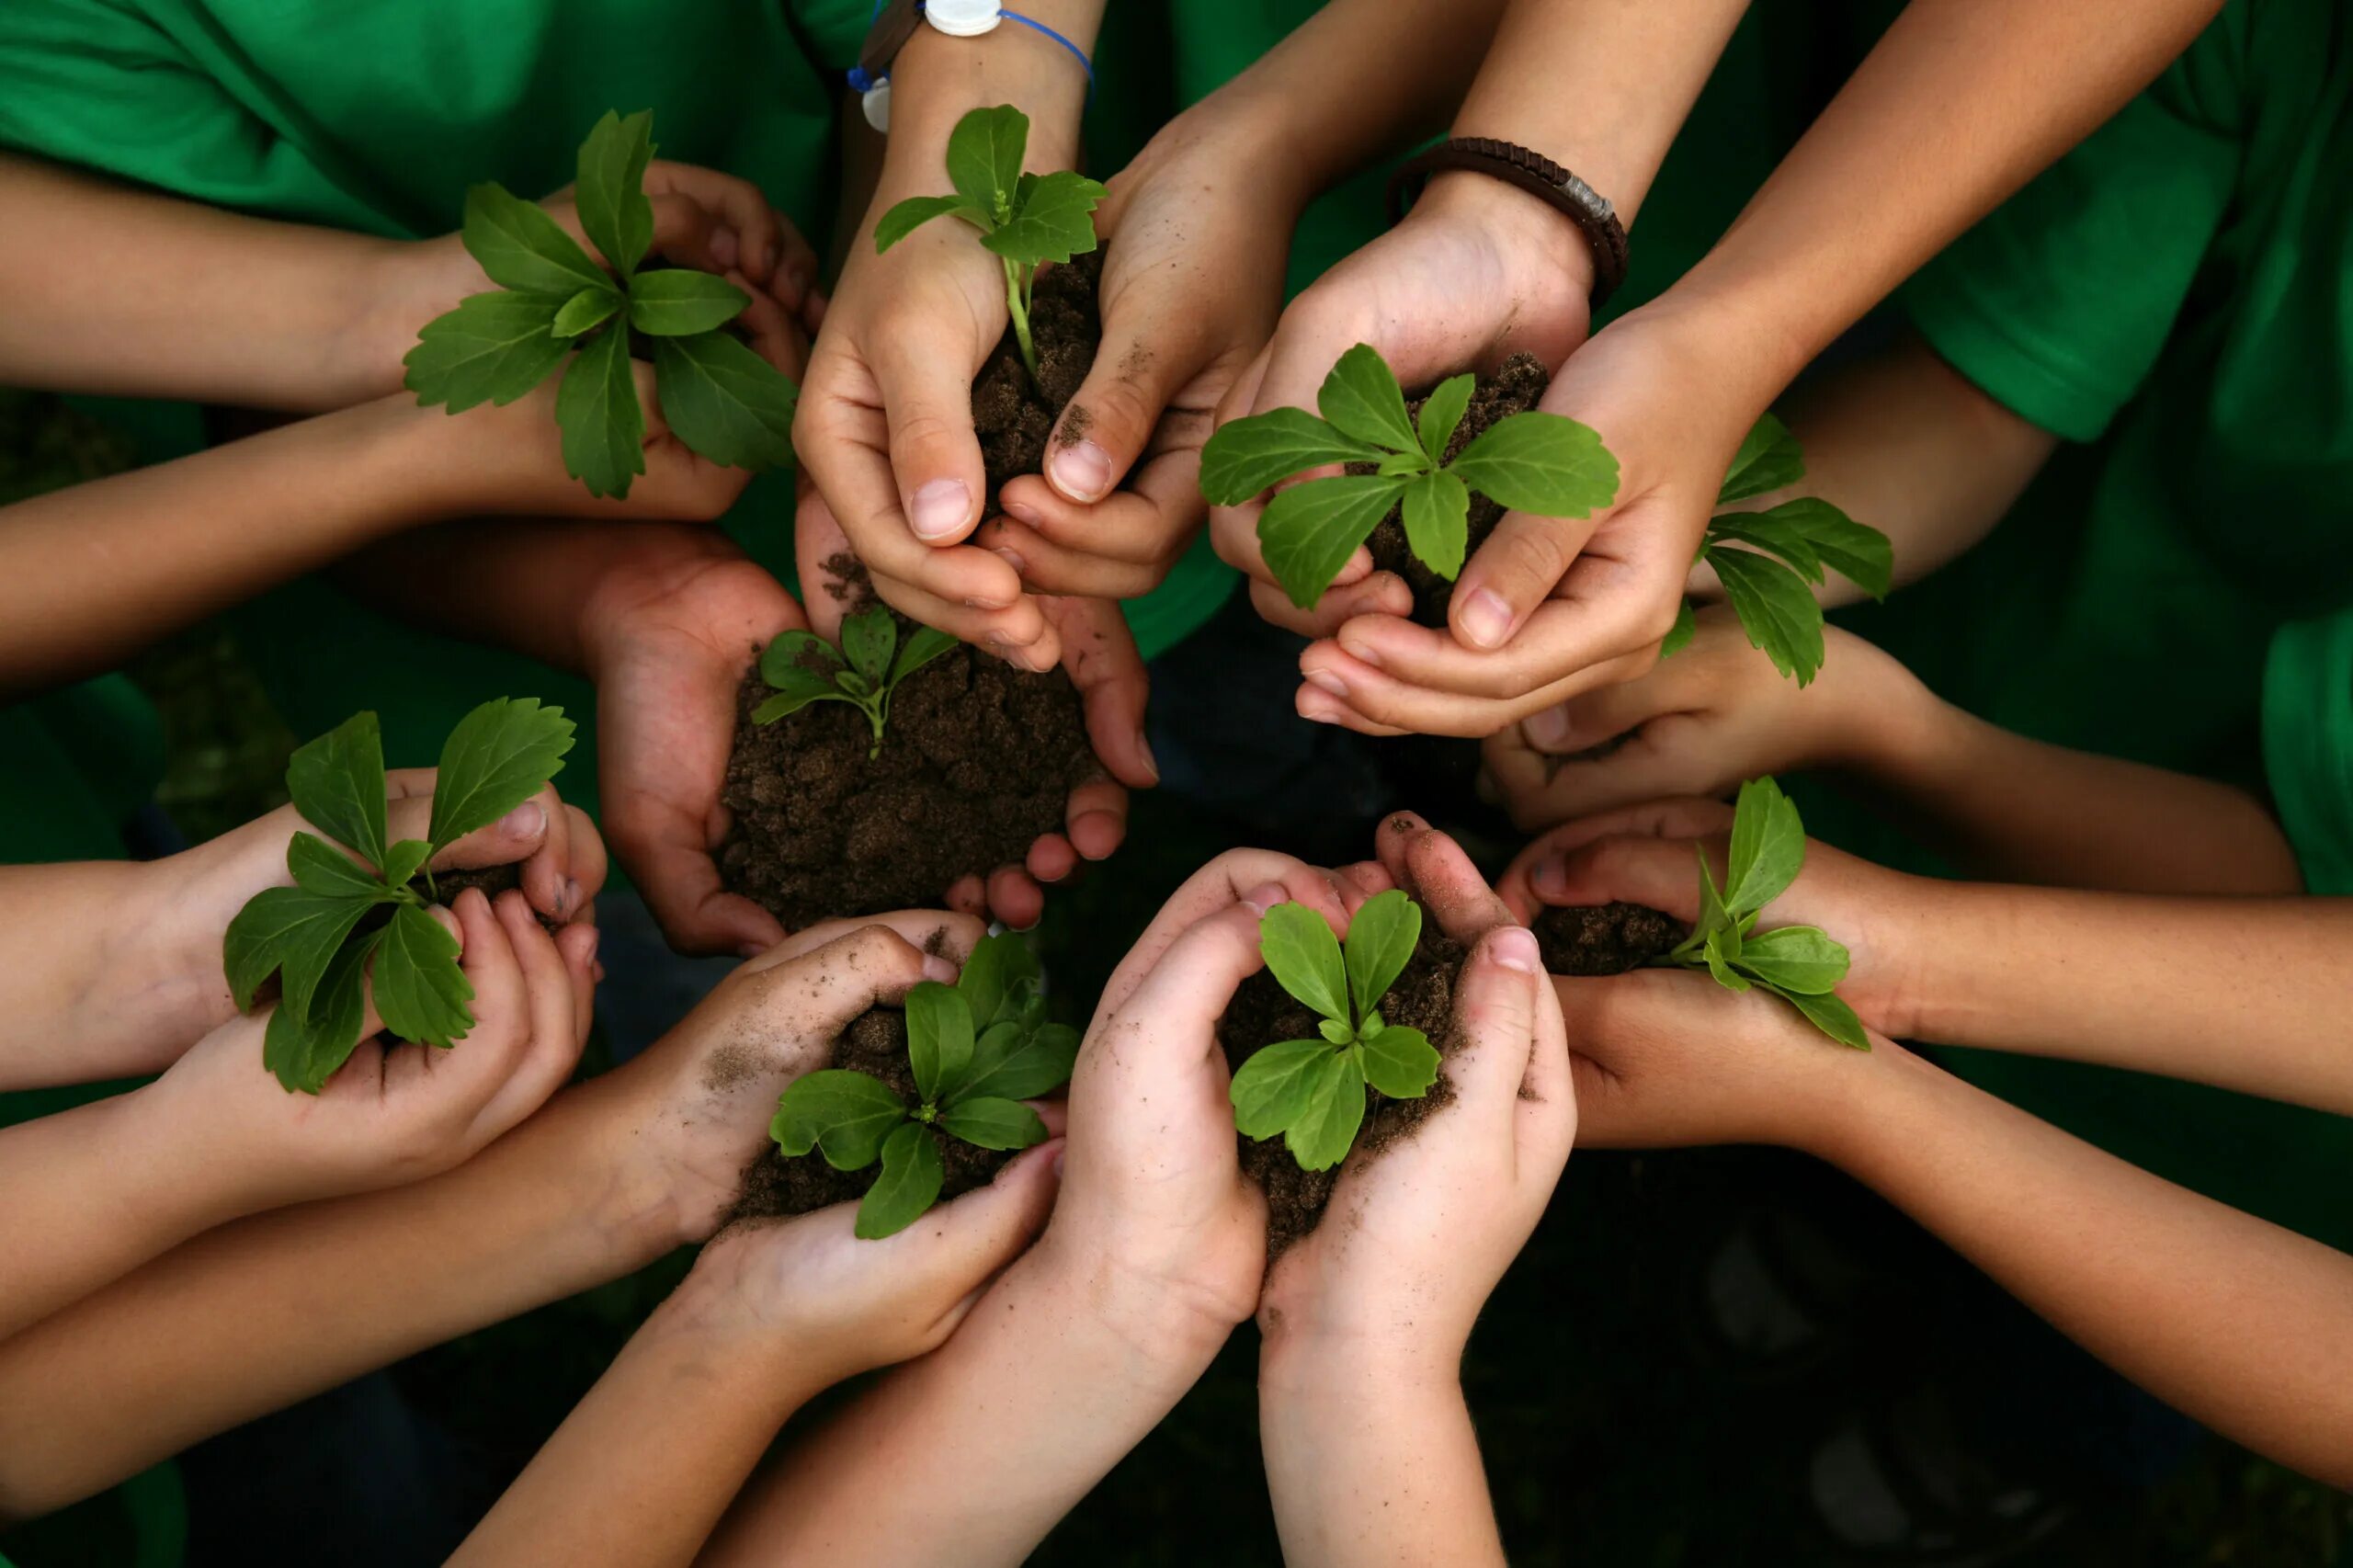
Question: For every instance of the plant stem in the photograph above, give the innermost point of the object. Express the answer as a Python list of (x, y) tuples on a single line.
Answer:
[(1016, 304)]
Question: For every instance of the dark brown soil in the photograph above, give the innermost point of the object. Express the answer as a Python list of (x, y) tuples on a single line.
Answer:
[(1601, 939), (1513, 388), (1014, 416), (876, 1043), (1263, 1013), (493, 881)]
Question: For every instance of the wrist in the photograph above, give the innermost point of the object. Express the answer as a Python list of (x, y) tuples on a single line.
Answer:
[(386, 301), (938, 79), (1522, 225), (1153, 1331), (1306, 1367)]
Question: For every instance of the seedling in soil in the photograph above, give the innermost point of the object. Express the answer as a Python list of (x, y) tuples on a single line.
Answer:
[(1801, 964), (803, 667), (318, 936), (1790, 546), (1025, 220), (978, 1049), (554, 305), (1311, 1091)]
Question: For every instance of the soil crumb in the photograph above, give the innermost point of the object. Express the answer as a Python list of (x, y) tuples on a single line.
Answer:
[(1601, 939), (493, 881), (1013, 416)]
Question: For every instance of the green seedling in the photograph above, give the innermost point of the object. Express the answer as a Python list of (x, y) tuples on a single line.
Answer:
[(803, 667), (1311, 1091), (1526, 462), (1788, 546), (1025, 220), (1801, 964), (554, 305), (367, 899), (977, 1050)]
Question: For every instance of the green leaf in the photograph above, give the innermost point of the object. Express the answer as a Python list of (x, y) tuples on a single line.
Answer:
[(522, 248), (321, 869), (603, 425), (1052, 221), (292, 931), (1713, 915), (679, 301), (1381, 935), (1011, 1062), (337, 783), (1438, 521), (1246, 456), (913, 213), (724, 400), (984, 154), (854, 684), (1831, 1016), (305, 1052), (1762, 531), (1678, 636), (492, 348), (1400, 1063), (796, 659), (912, 1171), (940, 1038), (846, 1114), (867, 639), (1541, 464), (1801, 959), (421, 994), (1719, 964), (1361, 398), (611, 194), (584, 311), (1305, 958), (785, 702), (1860, 553), (1767, 459), (988, 1123), (1776, 608), (1307, 532), (919, 649), (1270, 1090), (1442, 412), (1767, 848), (997, 979), (498, 756), (1402, 465), (1335, 1031), (1326, 1126), (404, 860)]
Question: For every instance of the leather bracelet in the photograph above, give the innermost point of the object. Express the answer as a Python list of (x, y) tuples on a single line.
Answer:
[(1540, 177)]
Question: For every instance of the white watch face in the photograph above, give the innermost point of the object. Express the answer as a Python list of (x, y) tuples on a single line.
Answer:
[(963, 19), (876, 102)]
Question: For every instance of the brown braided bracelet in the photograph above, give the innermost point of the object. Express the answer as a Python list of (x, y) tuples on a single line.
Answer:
[(1540, 177)]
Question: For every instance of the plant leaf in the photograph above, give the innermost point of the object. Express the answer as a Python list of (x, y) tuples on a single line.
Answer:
[(603, 425), (997, 979), (1794, 959), (337, 783), (940, 1038), (1860, 553), (986, 1121), (1361, 398), (1307, 532), (785, 702), (1767, 848), (584, 313), (1719, 964), (786, 662), (1305, 958), (1678, 636), (912, 1171), (984, 153), (724, 400), (1319, 1137), (1767, 459), (492, 348), (292, 931), (1335, 1031), (677, 302), (1052, 221), (1776, 608), (1270, 1090), (321, 869), (1010, 1061), (1438, 521), (611, 194), (404, 860), (1381, 936), (1831, 1016), (846, 1114), (305, 1053), (1400, 1063), (1763, 531), (421, 994), (1542, 463), (867, 639), (498, 756), (913, 213), (919, 649), (1442, 411), (522, 248), (1245, 457)]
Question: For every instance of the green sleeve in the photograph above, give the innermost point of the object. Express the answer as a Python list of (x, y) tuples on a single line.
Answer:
[(2058, 302), (2308, 746)]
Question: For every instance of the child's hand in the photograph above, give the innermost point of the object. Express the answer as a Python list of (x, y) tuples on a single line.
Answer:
[(1702, 720), (394, 1112)]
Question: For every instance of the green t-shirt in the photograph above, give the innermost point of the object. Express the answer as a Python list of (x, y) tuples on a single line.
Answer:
[(2308, 746)]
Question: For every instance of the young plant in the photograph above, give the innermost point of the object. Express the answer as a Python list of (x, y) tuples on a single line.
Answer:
[(555, 305), (977, 1049), (1311, 1091), (801, 668), (1801, 964), (1025, 220), (1526, 462), (1790, 546), (367, 899)]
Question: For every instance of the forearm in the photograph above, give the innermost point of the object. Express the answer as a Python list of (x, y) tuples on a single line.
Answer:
[(2244, 1326), (936, 79), (91, 987), (1370, 1466)]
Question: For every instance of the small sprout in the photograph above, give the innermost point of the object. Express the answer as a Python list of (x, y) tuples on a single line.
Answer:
[(1025, 220), (720, 398), (1801, 964), (318, 936), (1529, 462), (801, 668), (976, 1049), (1311, 1091)]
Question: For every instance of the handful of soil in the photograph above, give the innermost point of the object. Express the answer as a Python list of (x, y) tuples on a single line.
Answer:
[(1593, 941), (493, 881)]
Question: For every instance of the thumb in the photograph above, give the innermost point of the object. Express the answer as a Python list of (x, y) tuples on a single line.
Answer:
[(1104, 428), (1662, 873), (515, 836), (1512, 571), (968, 1239), (1104, 663)]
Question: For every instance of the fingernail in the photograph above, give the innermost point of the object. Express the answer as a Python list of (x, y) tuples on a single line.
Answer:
[(980, 602), (941, 508), (588, 956), (1021, 514), (1264, 898), (1547, 729), (570, 897), (526, 821), (1150, 763), (1515, 947), (1060, 1155), (939, 969), (1317, 716), (1325, 680), (1361, 653), (1549, 878), (1083, 470), (1486, 619), (1013, 558)]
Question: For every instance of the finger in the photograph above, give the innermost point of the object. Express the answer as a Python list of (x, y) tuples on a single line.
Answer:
[(1682, 817), (501, 1001), (970, 896), (1359, 882), (935, 932), (1051, 859), (1667, 757), (796, 1009), (1098, 821), (1315, 700), (1183, 995), (1015, 897), (547, 875), (775, 333), (578, 945), (1433, 868), (588, 862), (1659, 872), (401, 782), (1545, 1105), (1110, 421), (1147, 524), (544, 1058), (1515, 569), (1100, 654), (1381, 593), (668, 847), (1377, 697), (794, 281), (1049, 568), (685, 233), (1232, 877), (1495, 1022), (752, 224), (962, 1242), (935, 456), (515, 836), (1675, 685)]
